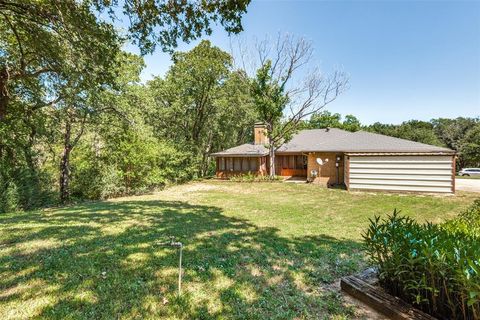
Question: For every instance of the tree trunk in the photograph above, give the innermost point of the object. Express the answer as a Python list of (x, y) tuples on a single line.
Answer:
[(3, 92), (205, 155), (271, 153), (65, 164)]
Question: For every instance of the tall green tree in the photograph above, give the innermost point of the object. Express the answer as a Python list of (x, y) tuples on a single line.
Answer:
[(162, 23), (42, 42), (39, 39), (56, 58), (197, 102), (470, 147)]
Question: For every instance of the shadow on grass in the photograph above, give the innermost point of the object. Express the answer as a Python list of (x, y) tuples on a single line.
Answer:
[(106, 264)]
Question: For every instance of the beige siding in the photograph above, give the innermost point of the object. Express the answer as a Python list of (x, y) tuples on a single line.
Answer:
[(401, 173)]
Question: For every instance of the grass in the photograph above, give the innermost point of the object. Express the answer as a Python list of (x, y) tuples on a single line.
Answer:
[(252, 251)]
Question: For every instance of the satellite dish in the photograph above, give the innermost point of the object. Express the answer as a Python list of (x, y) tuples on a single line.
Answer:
[(320, 161)]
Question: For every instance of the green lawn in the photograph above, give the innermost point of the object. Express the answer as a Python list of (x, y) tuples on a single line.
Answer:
[(252, 251)]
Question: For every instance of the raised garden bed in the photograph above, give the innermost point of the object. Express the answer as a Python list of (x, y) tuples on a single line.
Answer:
[(364, 287)]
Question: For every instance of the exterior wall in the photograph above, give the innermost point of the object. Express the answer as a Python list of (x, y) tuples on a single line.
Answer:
[(228, 169), (415, 173), (328, 173)]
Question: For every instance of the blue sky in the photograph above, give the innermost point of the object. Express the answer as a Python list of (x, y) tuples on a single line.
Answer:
[(406, 59)]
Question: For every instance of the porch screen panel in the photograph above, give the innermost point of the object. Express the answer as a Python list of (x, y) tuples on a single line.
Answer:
[(254, 164), (245, 164), (229, 163), (299, 163), (221, 164), (237, 164)]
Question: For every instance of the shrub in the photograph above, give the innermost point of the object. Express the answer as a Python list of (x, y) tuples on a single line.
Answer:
[(24, 189), (467, 223), (9, 199), (435, 267), (250, 177)]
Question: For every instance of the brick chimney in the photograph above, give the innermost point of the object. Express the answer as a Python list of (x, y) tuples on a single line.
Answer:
[(260, 133)]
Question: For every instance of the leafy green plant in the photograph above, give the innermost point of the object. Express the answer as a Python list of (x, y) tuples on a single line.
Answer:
[(435, 267), (250, 177)]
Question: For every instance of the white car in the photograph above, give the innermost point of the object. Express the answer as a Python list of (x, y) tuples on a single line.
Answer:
[(469, 172)]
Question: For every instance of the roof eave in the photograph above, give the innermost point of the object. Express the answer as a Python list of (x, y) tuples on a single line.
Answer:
[(437, 153), (237, 155)]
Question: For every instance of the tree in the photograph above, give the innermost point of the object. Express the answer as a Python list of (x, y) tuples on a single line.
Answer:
[(162, 22), (325, 119), (41, 42), (201, 104), (381, 128), (39, 38), (56, 59), (470, 147), (351, 123), (452, 132), (419, 131), (282, 101)]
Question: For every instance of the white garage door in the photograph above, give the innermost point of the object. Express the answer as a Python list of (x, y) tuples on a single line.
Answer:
[(401, 173)]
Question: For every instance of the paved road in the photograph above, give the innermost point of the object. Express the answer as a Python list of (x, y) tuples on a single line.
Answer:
[(468, 184)]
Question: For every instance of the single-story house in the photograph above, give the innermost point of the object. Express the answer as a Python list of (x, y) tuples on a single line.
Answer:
[(359, 160)]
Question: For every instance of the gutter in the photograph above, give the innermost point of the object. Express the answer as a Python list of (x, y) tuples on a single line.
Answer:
[(400, 153)]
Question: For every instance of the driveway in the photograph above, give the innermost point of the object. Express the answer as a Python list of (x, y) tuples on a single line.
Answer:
[(468, 184)]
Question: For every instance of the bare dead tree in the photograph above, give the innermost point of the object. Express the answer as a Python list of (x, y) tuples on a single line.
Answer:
[(306, 89)]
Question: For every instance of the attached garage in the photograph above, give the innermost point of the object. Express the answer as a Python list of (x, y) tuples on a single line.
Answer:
[(415, 173)]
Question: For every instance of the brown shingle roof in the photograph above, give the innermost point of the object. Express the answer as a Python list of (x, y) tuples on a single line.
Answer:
[(362, 141), (336, 140), (245, 150)]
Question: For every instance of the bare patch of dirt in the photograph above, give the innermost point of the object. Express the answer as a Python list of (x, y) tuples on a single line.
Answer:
[(196, 187)]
